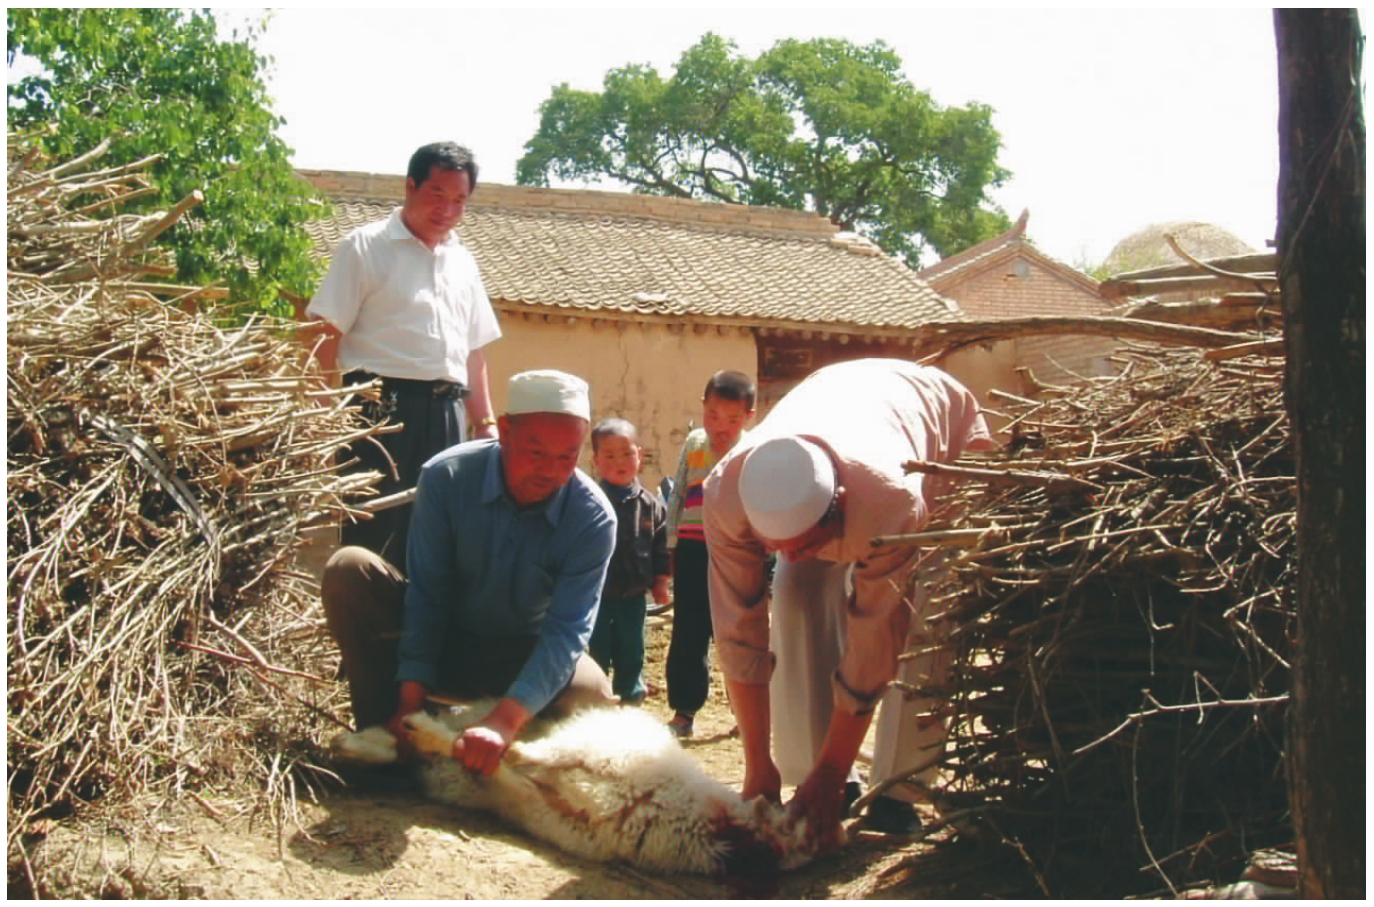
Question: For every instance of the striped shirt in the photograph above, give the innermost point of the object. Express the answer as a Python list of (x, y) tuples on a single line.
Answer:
[(694, 464)]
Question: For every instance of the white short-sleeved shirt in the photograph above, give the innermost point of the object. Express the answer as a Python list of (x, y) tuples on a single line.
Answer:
[(405, 311)]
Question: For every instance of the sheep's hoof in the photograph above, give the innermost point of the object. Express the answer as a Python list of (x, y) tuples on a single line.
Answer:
[(371, 746)]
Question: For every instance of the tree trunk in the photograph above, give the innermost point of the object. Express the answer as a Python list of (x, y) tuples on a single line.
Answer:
[(1322, 276)]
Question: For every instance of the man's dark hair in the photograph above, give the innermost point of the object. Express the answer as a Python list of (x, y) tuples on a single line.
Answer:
[(445, 156), (607, 427), (731, 385)]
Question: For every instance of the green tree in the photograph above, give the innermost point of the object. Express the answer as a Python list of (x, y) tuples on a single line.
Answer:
[(162, 81), (821, 125)]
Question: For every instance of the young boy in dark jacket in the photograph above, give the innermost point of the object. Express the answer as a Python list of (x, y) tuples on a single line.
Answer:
[(639, 565)]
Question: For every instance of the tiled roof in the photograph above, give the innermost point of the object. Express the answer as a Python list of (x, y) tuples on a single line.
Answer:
[(974, 260), (660, 258)]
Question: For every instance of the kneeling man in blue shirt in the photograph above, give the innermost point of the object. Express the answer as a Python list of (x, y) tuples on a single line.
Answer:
[(508, 549)]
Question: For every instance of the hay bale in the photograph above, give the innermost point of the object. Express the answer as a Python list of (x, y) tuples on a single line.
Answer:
[(1121, 643), (162, 469)]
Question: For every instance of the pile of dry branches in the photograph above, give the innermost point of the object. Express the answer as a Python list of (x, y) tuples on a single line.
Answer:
[(161, 472), (1121, 630)]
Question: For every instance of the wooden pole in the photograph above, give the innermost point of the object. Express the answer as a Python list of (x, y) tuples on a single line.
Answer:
[(1322, 279), (953, 334)]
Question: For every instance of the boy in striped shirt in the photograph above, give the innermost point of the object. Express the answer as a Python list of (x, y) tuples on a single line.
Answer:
[(727, 406)]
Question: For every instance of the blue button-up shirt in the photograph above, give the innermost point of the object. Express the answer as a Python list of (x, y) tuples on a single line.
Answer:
[(479, 564)]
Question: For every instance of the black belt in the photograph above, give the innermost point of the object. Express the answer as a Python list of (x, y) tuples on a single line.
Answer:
[(440, 387)]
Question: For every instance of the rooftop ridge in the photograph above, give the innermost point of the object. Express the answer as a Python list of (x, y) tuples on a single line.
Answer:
[(340, 184), (943, 281), (1015, 237)]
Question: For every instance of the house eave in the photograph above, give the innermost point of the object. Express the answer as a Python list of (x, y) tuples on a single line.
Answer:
[(677, 324)]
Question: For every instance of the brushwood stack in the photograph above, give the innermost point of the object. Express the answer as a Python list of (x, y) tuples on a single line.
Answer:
[(1121, 625), (162, 470)]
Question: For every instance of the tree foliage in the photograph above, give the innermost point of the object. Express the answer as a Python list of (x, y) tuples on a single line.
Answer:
[(820, 125), (162, 81)]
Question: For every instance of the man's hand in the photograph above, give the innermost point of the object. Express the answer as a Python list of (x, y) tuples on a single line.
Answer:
[(820, 800), (485, 431), (481, 747), (749, 702), (763, 781), (321, 339), (405, 748), (410, 700), (659, 590)]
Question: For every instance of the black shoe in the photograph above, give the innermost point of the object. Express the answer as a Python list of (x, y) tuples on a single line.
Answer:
[(893, 817), (853, 790)]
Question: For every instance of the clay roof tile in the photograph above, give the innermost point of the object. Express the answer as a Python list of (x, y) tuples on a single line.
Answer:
[(614, 252)]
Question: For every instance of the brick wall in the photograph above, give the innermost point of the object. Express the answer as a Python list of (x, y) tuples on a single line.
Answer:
[(1027, 289)]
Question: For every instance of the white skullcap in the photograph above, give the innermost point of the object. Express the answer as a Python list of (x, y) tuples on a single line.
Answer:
[(548, 391), (786, 486)]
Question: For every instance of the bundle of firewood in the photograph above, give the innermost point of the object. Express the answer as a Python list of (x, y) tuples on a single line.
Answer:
[(162, 469), (1120, 621)]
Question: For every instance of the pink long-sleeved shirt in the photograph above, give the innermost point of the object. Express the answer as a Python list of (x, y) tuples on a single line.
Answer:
[(871, 415)]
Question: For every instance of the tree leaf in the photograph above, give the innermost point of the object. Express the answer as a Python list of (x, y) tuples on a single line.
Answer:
[(821, 125)]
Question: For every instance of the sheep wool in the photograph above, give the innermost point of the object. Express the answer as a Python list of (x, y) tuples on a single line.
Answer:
[(605, 784)]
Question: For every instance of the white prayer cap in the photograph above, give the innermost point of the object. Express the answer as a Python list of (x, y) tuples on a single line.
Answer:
[(786, 486), (548, 391)]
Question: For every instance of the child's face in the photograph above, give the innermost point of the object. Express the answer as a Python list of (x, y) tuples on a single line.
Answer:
[(617, 459), (724, 421)]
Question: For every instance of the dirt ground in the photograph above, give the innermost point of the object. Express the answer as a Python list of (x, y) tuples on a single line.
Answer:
[(365, 841)]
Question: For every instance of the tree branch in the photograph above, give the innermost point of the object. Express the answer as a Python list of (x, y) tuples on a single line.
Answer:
[(948, 336), (1160, 709)]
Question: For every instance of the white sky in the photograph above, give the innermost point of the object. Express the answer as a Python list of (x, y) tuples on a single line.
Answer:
[(1110, 120)]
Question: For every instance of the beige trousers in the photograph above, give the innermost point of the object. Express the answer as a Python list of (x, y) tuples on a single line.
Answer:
[(807, 637)]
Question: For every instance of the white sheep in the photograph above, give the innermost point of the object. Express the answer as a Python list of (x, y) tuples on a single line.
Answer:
[(605, 784)]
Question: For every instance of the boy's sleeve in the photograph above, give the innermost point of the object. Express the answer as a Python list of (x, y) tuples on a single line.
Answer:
[(662, 562), (679, 489)]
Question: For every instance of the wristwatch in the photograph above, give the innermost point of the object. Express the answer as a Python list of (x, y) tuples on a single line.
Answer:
[(484, 422)]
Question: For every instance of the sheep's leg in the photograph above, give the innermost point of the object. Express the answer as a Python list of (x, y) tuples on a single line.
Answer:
[(372, 746), (429, 736), (432, 737)]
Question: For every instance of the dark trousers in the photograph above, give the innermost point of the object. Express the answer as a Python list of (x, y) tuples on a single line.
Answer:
[(617, 644), (431, 424), (364, 600), (689, 665)]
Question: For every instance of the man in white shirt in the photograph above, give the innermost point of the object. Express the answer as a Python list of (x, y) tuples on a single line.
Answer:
[(404, 302)]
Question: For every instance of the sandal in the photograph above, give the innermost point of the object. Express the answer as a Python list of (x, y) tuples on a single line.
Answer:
[(680, 726)]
